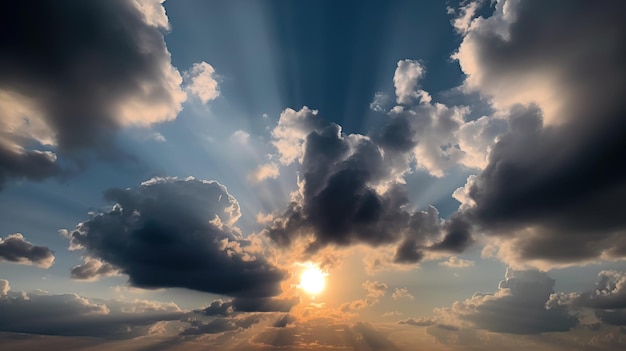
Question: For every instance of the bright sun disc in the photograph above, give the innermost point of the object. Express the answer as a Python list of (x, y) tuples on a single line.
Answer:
[(312, 280)]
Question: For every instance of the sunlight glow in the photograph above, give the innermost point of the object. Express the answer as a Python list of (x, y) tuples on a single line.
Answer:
[(312, 280)]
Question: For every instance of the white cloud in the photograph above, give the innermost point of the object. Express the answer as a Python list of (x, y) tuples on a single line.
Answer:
[(406, 79), (201, 82), (265, 171)]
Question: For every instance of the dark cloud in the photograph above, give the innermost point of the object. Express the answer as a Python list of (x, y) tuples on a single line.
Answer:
[(350, 194), (238, 305), (607, 300), (73, 315), (178, 233), (33, 165), (14, 248), (72, 73), (555, 181), (518, 307)]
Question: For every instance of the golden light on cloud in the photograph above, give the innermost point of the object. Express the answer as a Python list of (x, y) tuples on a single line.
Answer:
[(312, 279)]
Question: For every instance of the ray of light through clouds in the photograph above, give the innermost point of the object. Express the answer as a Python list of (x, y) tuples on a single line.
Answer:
[(312, 175)]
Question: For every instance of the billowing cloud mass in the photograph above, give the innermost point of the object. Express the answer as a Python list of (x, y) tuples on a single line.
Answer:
[(72, 73), (14, 248), (173, 232), (351, 191), (553, 185), (520, 306), (607, 300)]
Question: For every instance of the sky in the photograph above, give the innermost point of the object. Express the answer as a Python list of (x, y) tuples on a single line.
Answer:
[(312, 175)]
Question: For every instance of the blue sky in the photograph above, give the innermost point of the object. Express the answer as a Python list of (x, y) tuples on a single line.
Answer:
[(452, 169)]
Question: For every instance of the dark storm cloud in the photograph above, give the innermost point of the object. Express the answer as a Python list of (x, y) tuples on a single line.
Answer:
[(518, 307), (72, 73), (237, 305), (555, 182), (14, 248), (341, 206), (73, 315), (178, 233)]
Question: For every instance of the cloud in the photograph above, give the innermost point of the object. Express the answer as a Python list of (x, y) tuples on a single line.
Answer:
[(379, 102), (351, 191), (375, 289), (402, 293), (4, 287), (422, 322), (406, 79), (14, 248), (465, 14), (291, 131), (201, 82), (265, 171), (518, 307), (92, 269), (74, 73), (455, 262), (241, 305), (173, 232), (73, 315), (550, 190), (607, 300)]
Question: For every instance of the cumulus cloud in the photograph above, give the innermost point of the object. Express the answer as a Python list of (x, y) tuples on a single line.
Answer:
[(607, 300), (551, 184), (108, 68), (406, 79), (92, 269), (351, 191), (172, 232), (73, 315), (14, 248), (201, 82), (518, 307), (402, 293)]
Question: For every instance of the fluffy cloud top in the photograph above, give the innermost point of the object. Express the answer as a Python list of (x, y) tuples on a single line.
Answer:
[(350, 193), (553, 183), (201, 82), (72, 73), (173, 232), (518, 307), (14, 248)]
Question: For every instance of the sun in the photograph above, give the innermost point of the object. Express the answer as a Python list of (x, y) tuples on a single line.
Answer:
[(312, 280)]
